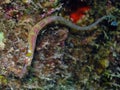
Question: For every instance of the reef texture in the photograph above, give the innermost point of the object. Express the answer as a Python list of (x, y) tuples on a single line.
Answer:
[(60, 44)]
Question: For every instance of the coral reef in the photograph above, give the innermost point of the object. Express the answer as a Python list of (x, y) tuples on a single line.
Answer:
[(45, 44)]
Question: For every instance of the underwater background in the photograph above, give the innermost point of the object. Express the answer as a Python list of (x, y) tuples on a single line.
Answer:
[(59, 45)]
